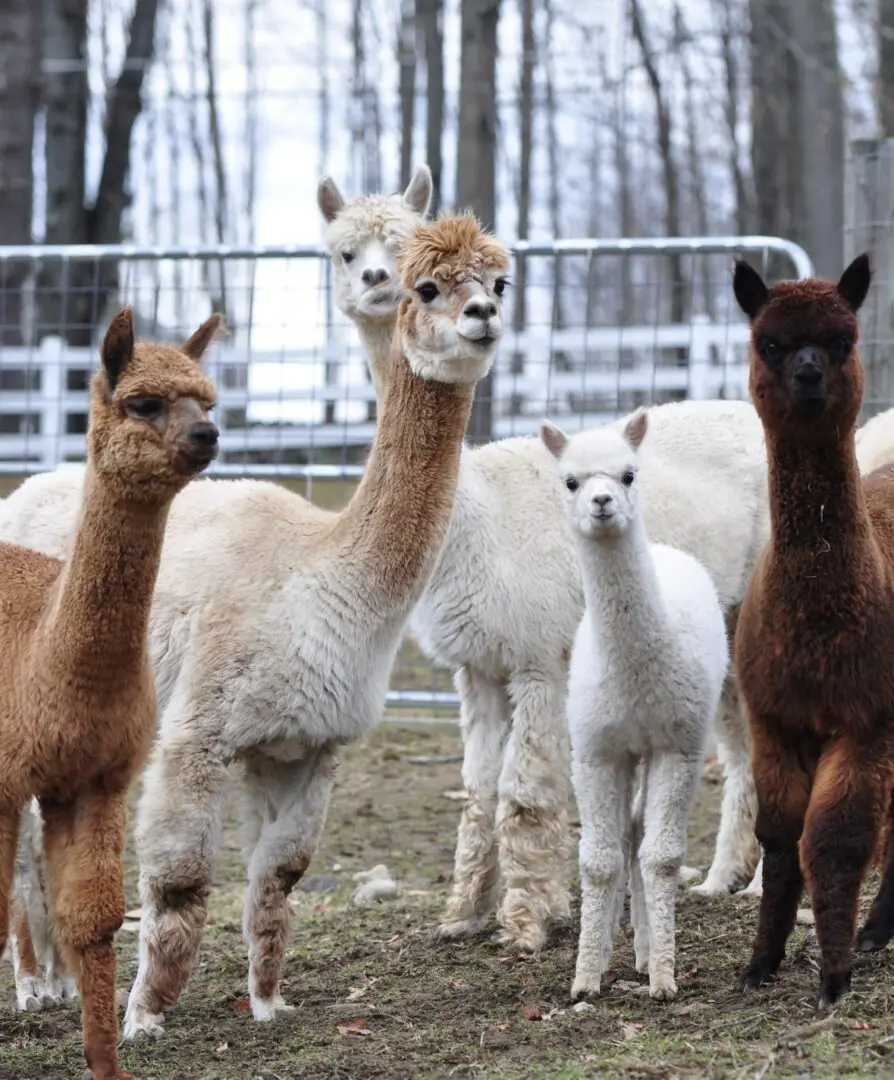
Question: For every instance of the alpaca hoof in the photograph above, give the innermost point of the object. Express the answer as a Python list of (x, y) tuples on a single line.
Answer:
[(585, 987), (266, 1009), (527, 939), (832, 988), (140, 1025), (462, 928), (756, 976), (28, 995), (642, 966), (663, 988), (871, 938), (30, 1003)]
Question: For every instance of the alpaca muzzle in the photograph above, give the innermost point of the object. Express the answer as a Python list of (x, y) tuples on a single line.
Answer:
[(200, 447), (808, 382)]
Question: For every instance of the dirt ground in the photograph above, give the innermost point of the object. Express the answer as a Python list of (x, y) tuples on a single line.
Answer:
[(378, 997)]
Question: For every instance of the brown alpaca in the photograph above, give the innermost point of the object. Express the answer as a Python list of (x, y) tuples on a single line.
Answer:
[(77, 699), (813, 644)]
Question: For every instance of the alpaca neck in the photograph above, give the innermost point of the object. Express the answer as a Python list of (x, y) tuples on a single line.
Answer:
[(816, 497), (376, 337), (104, 592), (621, 585), (397, 520)]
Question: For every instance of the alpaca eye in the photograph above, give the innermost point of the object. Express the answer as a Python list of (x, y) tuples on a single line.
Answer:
[(842, 344), (771, 349), (628, 477), (500, 285), (571, 483), (146, 408), (347, 256), (427, 291)]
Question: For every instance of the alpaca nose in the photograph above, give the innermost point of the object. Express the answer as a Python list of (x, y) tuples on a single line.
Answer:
[(480, 307), (204, 434), (602, 501), (377, 276), (808, 367)]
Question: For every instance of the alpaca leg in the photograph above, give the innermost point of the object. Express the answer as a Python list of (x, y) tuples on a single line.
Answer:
[(851, 796), (297, 799), (485, 721), (84, 844), (672, 786), (9, 834), (878, 929), (24, 957), (532, 814), (602, 789), (178, 839), (638, 912), (736, 850), (783, 774)]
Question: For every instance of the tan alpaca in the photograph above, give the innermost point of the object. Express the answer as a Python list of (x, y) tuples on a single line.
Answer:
[(77, 701)]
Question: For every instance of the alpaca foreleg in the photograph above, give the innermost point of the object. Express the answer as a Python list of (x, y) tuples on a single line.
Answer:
[(296, 797), (850, 800), (532, 814), (484, 721), (736, 851), (783, 777), (673, 780), (29, 986), (9, 835), (638, 915), (178, 839), (84, 845), (878, 929), (602, 788)]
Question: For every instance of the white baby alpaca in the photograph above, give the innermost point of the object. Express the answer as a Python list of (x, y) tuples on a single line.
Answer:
[(647, 668)]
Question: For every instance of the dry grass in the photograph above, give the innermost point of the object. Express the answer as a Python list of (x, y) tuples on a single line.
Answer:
[(432, 1010)]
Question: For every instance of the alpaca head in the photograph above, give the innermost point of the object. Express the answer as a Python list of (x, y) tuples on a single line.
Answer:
[(149, 428), (599, 469), (805, 369), (454, 276), (363, 236)]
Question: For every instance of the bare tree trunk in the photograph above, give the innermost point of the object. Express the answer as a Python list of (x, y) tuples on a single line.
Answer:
[(798, 126), (19, 100), (526, 139), (554, 168), (668, 165), (476, 156), (429, 22), (886, 67), (727, 36), (218, 299), (71, 300), (406, 59)]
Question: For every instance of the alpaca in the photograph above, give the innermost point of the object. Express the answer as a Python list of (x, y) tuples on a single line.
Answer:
[(276, 623), (875, 442), (811, 648), (77, 702), (647, 669)]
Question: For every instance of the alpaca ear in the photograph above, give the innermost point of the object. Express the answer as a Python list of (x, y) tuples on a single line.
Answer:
[(417, 197), (749, 288), (554, 438), (635, 428), (329, 199), (196, 344), (117, 346), (853, 285)]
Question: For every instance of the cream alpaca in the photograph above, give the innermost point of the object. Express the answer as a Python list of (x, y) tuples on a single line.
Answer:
[(648, 664), (276, 624), (77, 702)]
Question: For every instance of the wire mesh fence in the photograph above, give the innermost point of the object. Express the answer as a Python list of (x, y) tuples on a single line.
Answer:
[(593, 328)]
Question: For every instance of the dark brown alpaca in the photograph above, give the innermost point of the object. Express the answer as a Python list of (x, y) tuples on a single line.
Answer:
[(813, 649), (77, 699)]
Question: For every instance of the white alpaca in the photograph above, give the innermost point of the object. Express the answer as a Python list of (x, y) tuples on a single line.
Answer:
[(875, 442), (275, 625), (647, 668)]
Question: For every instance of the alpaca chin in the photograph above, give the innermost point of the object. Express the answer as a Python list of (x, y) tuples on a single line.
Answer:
[(380, 302), (454, 363)]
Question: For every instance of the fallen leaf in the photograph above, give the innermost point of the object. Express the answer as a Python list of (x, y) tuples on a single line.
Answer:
[(530, 1012), (322, 909), (392, 939), (242, 1003), (222, 1049), (863, 1025), (355, 993), (630, 1030), (690, 974), (353, 1027)]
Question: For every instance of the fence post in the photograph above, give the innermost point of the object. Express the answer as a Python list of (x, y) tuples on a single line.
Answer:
[(869, 226)]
